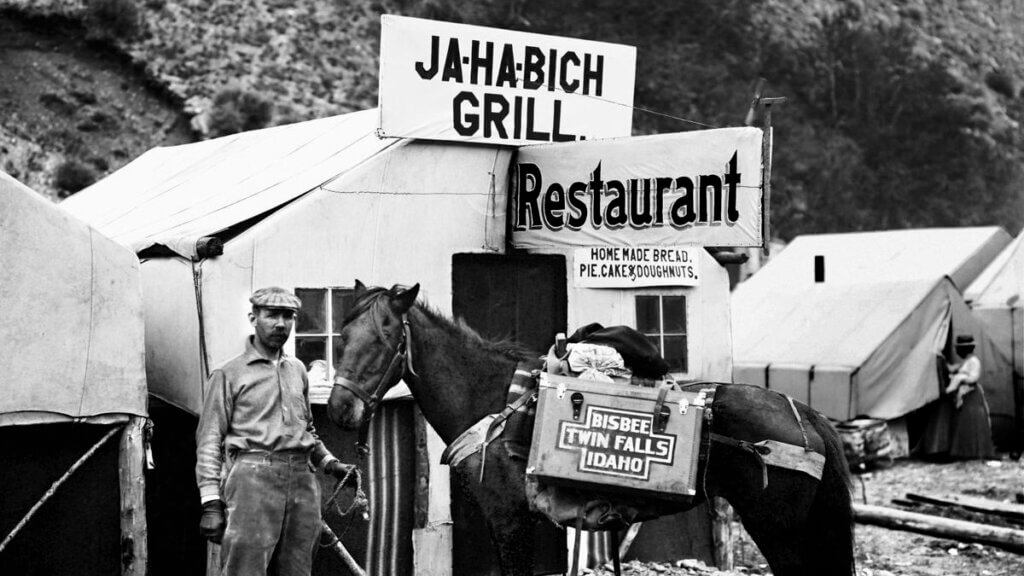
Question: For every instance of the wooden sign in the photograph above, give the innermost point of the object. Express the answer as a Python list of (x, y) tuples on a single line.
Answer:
[(607, 436)]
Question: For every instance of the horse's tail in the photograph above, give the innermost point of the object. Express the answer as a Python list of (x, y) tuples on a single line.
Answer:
[(831, 518)]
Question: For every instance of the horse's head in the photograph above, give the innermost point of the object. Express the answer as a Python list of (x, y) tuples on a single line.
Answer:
[(374, 355)]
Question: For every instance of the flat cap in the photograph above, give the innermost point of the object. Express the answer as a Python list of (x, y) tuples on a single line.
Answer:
[(275, 297), (965, 340)]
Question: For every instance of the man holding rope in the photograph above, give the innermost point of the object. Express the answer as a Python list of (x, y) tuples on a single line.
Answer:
[(257, 449)]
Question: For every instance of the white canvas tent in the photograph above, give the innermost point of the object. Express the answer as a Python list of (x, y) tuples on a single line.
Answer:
[(74, 381), (995, 298), (866, 340), (311, 207), (74, 348)]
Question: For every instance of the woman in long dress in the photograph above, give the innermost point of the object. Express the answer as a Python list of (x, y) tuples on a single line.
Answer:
[(971, 434)]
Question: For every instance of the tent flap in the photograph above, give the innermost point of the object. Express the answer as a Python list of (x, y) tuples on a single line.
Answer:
[(75, 348)]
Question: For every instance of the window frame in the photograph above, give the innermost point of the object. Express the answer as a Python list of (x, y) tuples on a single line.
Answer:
[(661, 333), (331, 332)]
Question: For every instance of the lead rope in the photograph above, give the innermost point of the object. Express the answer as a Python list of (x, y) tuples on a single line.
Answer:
[(359, 501), (616, 562)]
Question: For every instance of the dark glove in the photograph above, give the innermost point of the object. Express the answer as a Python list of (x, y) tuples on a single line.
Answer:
[(342, 471), (212, 523)]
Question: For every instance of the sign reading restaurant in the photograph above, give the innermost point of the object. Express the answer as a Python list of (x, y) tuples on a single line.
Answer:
[(444, 81), (701, 188)]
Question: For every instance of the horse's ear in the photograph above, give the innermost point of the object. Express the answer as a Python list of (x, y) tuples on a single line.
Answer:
[(360, 290), (403, 298)]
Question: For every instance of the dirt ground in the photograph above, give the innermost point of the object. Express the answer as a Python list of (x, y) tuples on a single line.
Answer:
[(884, 552)]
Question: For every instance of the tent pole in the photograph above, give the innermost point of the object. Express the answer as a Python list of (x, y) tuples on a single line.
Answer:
[(131, 474), (53, 488)]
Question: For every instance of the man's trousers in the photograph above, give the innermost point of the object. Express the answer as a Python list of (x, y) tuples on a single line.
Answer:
[(273, 515)]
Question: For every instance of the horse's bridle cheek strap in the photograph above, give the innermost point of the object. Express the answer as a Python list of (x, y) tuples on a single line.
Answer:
[(354, 388), (398, 362)]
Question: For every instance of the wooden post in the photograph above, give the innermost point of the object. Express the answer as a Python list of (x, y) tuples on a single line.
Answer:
[(721, 533), (131, 467), (212, 559), (57, 484), (766, 174), (1006, 538)]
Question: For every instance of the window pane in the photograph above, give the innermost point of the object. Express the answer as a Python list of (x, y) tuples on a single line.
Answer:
[(336, 349), (313, 314), (655, 341), (647, 314), (675, 353), (675, 314), (341, 303), (309, 348)]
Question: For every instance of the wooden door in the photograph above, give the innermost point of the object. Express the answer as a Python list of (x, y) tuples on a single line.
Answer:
[(522, 297)]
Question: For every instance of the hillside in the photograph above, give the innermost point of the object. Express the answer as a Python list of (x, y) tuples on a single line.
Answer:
[(899, 114)]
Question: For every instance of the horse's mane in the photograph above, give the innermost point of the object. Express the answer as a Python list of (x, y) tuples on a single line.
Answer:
[(457, 329)]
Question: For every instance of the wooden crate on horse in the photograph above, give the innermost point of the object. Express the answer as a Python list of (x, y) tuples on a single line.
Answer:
[(618, 438)]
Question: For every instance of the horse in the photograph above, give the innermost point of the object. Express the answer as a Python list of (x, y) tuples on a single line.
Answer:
[(802, 525)]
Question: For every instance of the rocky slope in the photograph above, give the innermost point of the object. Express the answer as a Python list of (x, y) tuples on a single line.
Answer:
[(899, 114)]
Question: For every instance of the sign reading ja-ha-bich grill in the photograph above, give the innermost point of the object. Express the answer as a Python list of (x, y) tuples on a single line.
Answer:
[(629, 267), (617, 442), (700, 188), (444, 81)]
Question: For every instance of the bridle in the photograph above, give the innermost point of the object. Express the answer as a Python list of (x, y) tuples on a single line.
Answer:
[(400, 366)]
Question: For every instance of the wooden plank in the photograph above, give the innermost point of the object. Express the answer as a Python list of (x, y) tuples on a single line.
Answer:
[(1005, 538), (973, 503), (132, 479), (627, 541), (721, 534), (212, 559)]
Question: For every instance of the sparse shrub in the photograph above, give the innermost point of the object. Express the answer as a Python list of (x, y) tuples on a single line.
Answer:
[(112, 19), (71, 176), (1001, 82), (235, 110)]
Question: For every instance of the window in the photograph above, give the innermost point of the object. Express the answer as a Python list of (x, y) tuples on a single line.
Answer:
[(662, 319), (318, 326)]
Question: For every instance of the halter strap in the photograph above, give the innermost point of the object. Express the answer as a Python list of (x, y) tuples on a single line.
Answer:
[(401, 362)]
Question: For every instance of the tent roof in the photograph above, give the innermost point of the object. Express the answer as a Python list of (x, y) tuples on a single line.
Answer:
[(873, 282), (172, 196), (821, 324), (1002, 282), (74, 347), (885, 256)]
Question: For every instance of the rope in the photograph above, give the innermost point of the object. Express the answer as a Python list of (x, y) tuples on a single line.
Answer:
[(53, 488), (359, 500)]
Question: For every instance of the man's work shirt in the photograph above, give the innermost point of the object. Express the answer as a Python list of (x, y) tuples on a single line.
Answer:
[(254, 404)]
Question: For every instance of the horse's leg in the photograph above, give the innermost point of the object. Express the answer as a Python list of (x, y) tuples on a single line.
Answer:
[(800, 524), (502, 499), (775, 517)]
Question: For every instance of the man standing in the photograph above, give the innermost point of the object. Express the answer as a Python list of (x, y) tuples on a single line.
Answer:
[(256, 448)]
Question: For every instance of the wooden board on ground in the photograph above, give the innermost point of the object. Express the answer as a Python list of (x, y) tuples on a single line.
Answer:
[(973, 503), (1005, 538)]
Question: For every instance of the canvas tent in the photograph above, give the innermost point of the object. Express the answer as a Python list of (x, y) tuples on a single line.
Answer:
[(995, 300), (313, 206), (240, 191), (867, 338), (74, 374)]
